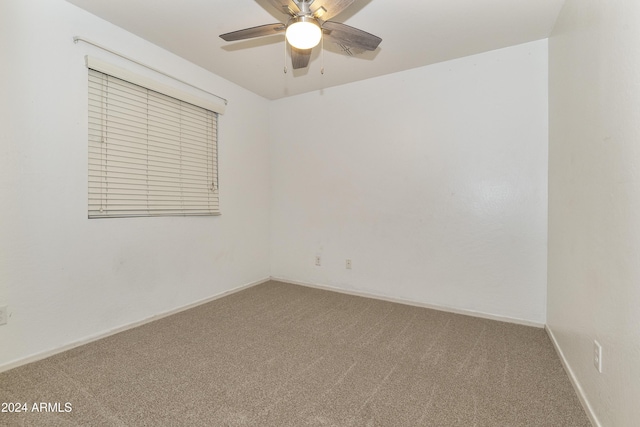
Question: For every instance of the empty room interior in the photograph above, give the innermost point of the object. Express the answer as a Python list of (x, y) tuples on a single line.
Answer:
[(441, 229)]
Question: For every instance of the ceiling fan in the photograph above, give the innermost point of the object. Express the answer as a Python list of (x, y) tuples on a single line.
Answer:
[(308, 22)]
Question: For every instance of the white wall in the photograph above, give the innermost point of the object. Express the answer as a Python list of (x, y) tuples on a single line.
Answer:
[(433, 181), (594, 201), (66, 278)]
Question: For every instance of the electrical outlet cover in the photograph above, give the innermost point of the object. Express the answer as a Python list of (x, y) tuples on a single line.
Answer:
[(597, 355)]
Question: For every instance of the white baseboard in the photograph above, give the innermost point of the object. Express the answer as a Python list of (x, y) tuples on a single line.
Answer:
[(574, 381), (415, 303), (57, 350)]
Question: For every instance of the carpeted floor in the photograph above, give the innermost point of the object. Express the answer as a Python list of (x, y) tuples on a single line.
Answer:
[(285, 355)]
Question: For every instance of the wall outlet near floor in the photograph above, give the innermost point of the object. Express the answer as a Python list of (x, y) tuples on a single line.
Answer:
[(597, 355), (318, 261), (348, 264), (4, 315)]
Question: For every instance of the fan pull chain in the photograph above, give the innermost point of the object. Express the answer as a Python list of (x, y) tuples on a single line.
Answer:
[(285, 55), (322, 53)]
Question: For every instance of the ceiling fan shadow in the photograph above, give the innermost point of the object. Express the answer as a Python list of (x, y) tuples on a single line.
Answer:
[(300, 72)]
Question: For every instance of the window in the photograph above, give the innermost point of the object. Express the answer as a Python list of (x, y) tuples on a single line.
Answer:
[(150, 154)]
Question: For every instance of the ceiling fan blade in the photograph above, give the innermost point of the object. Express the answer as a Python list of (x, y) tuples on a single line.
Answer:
[(285, 6), (300, 57), (350, 36), (327, 9), (249, 33)]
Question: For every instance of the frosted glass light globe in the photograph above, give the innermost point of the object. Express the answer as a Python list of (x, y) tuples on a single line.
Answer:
[(304, 34)]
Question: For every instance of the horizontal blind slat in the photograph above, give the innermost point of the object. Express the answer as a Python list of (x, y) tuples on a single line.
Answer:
[(149, 154)]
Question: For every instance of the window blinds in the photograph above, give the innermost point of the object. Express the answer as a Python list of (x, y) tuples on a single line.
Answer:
[(149, 154)]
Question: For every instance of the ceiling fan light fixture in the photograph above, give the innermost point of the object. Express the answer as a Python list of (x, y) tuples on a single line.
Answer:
[(304, 33)]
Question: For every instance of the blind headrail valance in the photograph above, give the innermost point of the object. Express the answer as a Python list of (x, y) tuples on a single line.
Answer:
[(115, 71)]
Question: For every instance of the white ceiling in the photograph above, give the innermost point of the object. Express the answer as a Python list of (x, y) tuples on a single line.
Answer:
[(414, 33)]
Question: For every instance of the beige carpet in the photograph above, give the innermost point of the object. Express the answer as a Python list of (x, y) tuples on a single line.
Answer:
[(284, 355)]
